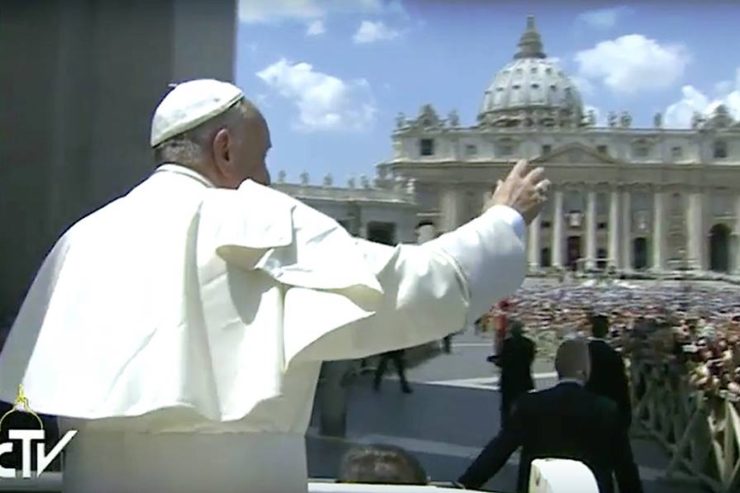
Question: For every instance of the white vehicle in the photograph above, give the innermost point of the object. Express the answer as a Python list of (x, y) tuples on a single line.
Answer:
[(547, 476)]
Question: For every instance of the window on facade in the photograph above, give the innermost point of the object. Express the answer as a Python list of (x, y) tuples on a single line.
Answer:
[(641, 151), (602, 149), (602, 204), (506, 149), (641, 201), (534, 70), (426, 147), (380, 232), (720, 149), (721, 204), (471, 150), (545, 257), (574, 202), (602, 225), (545, 224), (676, 152), (546, 149)]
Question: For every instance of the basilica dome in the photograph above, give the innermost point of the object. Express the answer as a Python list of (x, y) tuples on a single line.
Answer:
[(531, 90)]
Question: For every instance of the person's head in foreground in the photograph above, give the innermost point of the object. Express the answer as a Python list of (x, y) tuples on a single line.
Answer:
[(210, 127), (381, 464), (572, 360)]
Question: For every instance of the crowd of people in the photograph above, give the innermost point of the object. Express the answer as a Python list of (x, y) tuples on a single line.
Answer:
[(696, 326)]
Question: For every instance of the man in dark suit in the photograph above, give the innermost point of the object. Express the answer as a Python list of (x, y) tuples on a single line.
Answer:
[(563, 422), (608, 376), (515, 360)]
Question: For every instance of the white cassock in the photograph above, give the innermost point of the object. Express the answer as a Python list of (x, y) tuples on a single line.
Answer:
[(181, 328)]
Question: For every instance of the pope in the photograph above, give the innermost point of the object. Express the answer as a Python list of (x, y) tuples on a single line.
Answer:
[(180, 329)]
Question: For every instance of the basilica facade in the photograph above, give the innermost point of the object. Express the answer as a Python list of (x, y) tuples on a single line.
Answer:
[(657, 198)]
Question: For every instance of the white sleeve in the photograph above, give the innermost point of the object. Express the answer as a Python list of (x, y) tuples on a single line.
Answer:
[(433, 289), (490, 253)]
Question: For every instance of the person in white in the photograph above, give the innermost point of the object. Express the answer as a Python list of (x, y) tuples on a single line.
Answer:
[(180, 329)]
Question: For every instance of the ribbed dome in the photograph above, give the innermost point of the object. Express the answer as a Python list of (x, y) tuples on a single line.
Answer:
[(531, 90)]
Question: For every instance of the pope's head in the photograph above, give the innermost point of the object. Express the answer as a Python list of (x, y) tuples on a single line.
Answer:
[(210, 126)]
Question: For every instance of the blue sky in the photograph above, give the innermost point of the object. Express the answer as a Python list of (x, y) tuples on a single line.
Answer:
[(331, 75)]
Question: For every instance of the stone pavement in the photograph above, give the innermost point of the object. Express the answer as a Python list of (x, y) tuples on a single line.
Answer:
[(451, 415)]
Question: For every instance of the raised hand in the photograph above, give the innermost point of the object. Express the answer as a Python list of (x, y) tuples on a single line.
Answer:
[(524, 189)]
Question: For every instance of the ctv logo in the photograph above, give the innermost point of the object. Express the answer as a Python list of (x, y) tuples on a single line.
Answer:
[(27, 437)]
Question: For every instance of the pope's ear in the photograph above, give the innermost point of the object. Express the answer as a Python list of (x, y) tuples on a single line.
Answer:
[(222, 148)]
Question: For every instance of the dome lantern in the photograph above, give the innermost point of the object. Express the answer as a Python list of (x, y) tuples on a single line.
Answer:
[(530, 44)]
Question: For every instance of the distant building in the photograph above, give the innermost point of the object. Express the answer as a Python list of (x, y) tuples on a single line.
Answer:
[(633, 198)]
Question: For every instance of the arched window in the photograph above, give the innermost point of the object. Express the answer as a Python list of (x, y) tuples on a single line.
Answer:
[(426, 147), (720, 149)]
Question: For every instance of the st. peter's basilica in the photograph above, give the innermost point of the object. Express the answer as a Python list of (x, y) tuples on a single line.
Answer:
[(655, 199)]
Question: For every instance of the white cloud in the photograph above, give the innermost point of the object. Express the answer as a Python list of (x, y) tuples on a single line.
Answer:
[(316, 28), (324, 102), (262, 100), (633, 63), (724, 86), (603, 18), (261, 11), (370, 32), (585, 87), (680, 113)]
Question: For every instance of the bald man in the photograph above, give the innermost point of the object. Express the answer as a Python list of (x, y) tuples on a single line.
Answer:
[(563, 422), (181, 328)]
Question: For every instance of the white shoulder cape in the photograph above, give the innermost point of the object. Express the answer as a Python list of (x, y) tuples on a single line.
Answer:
[(178, 295)]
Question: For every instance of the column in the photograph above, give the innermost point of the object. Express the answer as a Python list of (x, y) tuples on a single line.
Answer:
[(736, 236), (533, 244), (658, 244), (627, 245), (696, 238), (591, 229), (615, 258), (557, 230), (451, 205)]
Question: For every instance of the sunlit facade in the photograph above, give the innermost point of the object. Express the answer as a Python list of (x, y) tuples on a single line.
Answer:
[(656, 198)]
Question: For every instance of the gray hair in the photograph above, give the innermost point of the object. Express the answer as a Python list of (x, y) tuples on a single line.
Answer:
[(381, 464), (188, 148), (573, 359)]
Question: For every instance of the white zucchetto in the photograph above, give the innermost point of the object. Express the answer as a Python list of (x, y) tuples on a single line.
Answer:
[(189, 104)]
